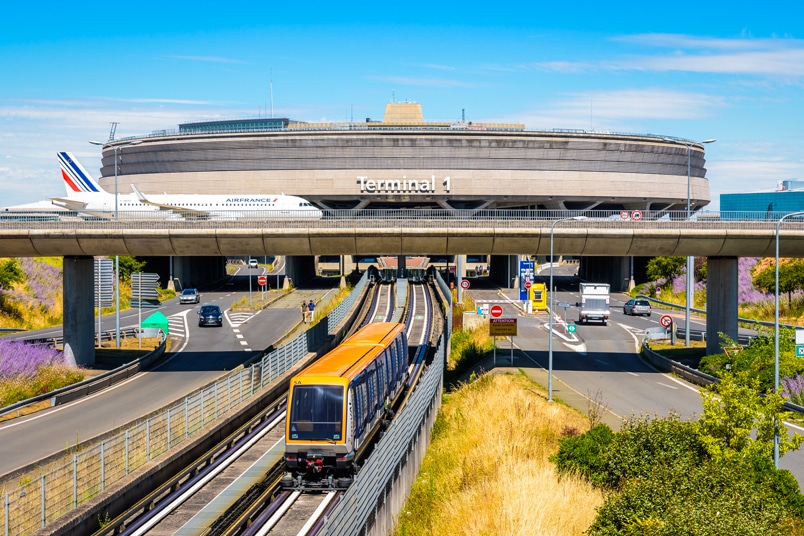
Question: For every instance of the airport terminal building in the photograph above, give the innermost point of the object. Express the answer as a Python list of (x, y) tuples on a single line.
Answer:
[(403, 161)]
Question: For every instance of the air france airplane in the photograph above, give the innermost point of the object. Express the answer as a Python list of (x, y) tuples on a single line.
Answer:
[(85, 196)]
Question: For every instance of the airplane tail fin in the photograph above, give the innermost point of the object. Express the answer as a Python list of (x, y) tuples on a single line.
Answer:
[(76, 178)]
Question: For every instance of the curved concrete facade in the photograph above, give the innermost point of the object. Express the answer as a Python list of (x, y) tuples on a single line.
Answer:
[(394, 164)]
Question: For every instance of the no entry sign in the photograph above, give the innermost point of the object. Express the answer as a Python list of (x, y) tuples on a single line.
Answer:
[(262, 280), (496, 311)]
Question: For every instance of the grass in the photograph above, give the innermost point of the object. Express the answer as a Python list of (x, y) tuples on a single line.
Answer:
[(485, 475)]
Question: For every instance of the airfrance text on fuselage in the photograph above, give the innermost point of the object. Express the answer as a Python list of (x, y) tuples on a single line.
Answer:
[(403, 185)]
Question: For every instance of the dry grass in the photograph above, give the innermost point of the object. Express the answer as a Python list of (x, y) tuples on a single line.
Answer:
[(487, 469)]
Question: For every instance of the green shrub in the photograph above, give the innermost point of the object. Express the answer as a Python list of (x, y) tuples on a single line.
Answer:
[(643, 443), (584, 454), (712, 498)]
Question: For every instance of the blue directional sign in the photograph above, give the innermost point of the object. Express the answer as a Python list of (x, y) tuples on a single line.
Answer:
[(526, 275)]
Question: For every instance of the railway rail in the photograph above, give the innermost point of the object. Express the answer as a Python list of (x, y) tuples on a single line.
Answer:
[(235, 490)]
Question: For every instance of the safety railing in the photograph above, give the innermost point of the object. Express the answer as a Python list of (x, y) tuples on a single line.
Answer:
[(46, 495), (384, 482), (400, 218)]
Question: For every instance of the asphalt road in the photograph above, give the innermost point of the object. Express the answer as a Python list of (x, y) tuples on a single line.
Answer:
[(198, 356), (601, 364)]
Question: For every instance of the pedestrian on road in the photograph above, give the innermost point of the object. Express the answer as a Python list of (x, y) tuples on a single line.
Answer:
[(304, 311), (311, 308)]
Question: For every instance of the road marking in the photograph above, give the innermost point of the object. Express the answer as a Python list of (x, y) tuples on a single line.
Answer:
[(668, 386)]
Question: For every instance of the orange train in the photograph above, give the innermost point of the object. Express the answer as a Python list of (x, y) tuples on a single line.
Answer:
[(337, 404)]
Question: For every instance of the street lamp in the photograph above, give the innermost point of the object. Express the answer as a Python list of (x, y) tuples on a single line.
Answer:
[(116, 257), (550, 345), (690, 259), (776, 341)]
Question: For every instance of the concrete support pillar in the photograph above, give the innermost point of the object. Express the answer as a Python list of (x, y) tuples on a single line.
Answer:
[(299, 269), (401, 266), (721, 301), (616, 271), (79, 306)]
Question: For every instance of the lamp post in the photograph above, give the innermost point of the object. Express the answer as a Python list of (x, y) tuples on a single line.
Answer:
[(550, 344), (116, 257), (690, 259), (776, 335)]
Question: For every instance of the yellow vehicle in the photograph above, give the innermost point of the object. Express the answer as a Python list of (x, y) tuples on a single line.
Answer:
[(537, 293), (337, 404)]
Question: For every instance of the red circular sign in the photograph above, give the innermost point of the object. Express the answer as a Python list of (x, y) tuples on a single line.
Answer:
[(496, 311), (527, 284), (666, 320), (624, 215), (636, 215), (464, 283), (262, 279)]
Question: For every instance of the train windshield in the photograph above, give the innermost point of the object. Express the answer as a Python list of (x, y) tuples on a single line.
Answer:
[(317, 412)]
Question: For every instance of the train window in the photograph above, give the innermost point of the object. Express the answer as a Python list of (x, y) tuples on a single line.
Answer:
[(317, 412), (361, 406), (394, 360), (371, 383)]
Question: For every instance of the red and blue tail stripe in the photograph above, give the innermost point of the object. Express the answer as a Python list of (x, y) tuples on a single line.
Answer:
[(74, 174)]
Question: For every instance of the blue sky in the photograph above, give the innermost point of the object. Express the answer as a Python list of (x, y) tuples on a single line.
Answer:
[(733, 71)]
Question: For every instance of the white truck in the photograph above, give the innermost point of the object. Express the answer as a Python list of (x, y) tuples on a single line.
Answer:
[(594, 304)]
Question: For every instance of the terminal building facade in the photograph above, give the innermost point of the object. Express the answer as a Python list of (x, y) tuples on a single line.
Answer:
[(403, 161)]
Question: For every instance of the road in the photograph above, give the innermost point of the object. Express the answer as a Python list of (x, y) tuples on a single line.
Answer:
[(198, 356), (601, 365)]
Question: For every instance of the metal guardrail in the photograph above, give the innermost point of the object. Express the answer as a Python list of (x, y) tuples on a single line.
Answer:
[(90, 385), (386, 478), (46, 496), (406, 218)]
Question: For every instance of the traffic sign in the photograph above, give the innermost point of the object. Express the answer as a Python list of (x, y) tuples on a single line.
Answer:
[(800, 350), (262, 280), (527, 284), (502, 327), (666, 320), (571, 328), (563, 304), (732, 351), (624, 215), (636, 215), (464, 284), (496, 311)]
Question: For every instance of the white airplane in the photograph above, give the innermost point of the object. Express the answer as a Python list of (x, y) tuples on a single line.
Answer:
[(85, 197)]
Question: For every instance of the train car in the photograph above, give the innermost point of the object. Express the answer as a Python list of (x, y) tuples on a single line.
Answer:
[(337, 404)]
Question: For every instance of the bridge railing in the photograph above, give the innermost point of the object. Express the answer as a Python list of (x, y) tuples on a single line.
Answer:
[(405, 218)]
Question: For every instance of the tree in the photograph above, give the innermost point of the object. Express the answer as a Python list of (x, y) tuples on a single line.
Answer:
[(791, 278), (130, 265), (733, 409), (10, 273), (666, 268)]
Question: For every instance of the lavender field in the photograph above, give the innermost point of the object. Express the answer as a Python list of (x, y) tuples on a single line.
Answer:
[(27, 370)]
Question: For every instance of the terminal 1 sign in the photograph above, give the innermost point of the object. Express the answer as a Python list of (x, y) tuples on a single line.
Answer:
[(402, 186)]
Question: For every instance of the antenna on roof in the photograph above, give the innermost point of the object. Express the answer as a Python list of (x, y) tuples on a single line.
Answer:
[(113, 130)]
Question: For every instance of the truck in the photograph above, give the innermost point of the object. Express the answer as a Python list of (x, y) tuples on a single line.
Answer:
[(594, 304)]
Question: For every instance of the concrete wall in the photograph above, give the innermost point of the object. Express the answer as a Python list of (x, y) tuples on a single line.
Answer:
[(79, 307)]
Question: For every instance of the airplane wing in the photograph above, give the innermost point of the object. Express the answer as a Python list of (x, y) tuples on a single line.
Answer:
[(71, 204), (184, 211)]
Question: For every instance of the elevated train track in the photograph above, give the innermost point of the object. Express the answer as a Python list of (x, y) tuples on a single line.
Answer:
[(235, 489)]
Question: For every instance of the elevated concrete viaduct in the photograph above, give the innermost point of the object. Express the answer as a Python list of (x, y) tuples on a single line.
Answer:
[(723, 242)]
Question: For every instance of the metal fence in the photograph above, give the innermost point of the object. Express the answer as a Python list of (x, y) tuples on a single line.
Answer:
[(408, 218), (43, 497), (379, 491)]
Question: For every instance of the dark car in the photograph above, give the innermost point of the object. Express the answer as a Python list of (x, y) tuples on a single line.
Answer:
[(210, 315), (637, 307), (189, 295)]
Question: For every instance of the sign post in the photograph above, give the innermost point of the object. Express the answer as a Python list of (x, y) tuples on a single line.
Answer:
[(505, 327)]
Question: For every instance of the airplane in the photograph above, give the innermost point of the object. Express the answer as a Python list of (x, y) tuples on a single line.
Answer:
[(86, 197)]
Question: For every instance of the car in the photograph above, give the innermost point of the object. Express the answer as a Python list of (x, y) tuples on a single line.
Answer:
[(252, 263), (189, 295), (210, 315), (637, 307)]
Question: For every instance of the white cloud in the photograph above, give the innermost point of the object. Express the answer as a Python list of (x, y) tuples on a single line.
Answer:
[(761, 57), (617, 109)]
